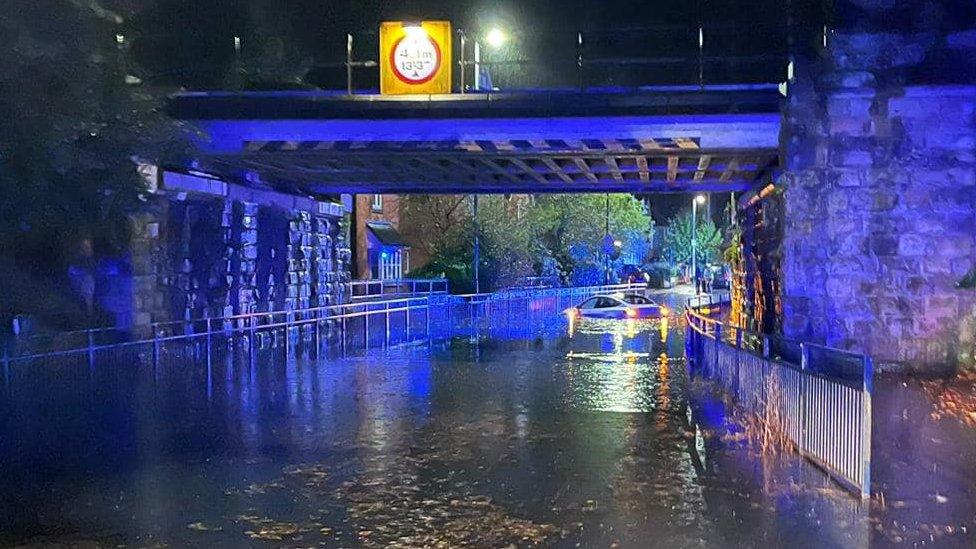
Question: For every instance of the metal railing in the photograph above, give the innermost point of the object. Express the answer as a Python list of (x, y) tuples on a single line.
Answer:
[(519, 311), (358, 325), (398, 287), (350, 326), (817, 396), (695, 52)]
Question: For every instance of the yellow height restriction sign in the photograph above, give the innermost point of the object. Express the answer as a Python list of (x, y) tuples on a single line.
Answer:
[(415, 57)]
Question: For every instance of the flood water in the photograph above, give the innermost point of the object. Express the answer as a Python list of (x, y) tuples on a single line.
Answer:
[(590, 435)]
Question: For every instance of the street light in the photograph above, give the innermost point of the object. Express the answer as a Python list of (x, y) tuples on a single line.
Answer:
[(496, 37), (699, 199)]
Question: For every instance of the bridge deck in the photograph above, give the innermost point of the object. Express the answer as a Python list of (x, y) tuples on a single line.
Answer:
[(663, 140)]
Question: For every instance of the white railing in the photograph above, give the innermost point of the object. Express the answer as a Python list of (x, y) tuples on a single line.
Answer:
[(820, 402), (399, 287)]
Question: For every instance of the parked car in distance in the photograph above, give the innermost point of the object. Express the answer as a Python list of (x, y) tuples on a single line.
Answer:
[(634, 274), (720, 280), (660, 275), (620, 306)]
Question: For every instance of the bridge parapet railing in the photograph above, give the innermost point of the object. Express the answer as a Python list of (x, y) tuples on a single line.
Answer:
[(818, 397)]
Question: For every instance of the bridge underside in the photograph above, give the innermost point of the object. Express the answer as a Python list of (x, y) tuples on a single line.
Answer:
[(719, 140), (647, 165)]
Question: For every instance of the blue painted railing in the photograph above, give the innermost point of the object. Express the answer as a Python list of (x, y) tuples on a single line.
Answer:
[(426, 312)]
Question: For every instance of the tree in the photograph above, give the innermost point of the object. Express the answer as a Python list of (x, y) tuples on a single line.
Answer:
[(572, 227), (520, 235), (435, 223), (73, 121), (679, 239)]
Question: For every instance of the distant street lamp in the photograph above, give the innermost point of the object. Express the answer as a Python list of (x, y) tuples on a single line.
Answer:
[(699, 199)]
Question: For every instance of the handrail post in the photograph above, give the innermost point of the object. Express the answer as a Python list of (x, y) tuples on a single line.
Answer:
[(718, 345), (738, 359), (366, 326), (427, 316), (386, 341), (91, 355), (701, 57), (318, 330), (286, 329), (349, 63), (866, 424), (209, 342), (766, 351), (343, 334), (209, 360), (579, 59), (804, 356), (407, 322), (155, 354), (251, 333), (6, 364)]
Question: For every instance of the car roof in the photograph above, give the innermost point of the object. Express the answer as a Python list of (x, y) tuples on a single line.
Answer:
[(629, 294), (608, 296)]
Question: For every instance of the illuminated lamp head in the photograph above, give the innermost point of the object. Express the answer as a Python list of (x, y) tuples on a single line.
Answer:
[(496, 37), (414, 30)]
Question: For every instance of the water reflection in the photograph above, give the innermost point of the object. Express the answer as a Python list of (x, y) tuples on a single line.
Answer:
[(589, 436)]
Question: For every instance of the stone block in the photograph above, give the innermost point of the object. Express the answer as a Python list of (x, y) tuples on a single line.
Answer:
[(847, 154), (850, 126), (913, 245), (846, 105), (953, 247), (848, 178), (883, 244), (839, 287), (941, 305)]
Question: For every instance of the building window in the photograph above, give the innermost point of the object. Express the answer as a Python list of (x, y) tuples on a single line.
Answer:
[(377, 203)]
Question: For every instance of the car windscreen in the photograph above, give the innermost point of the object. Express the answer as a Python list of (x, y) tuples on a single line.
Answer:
[(637, 300), (589, 303)]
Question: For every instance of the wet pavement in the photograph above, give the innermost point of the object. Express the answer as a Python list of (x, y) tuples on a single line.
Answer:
[(587, 435)]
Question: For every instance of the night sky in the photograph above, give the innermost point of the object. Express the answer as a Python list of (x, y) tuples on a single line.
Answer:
[(190, 43)]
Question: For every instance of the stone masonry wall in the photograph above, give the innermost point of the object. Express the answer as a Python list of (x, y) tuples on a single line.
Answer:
[(879, 137), (194, 256), (881, 224)]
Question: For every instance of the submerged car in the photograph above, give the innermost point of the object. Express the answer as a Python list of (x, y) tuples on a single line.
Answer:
[(618, 306)]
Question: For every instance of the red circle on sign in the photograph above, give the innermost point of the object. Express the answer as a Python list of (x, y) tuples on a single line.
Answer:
[(424, 80)]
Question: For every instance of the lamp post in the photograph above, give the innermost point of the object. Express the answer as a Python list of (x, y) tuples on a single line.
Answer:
[(699, 199), (495, 38), (606, 249), (477, 247)]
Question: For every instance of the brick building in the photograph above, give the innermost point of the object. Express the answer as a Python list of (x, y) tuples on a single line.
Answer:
[(379, 251)]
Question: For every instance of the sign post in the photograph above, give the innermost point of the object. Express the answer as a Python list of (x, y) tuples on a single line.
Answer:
[(415, 58)]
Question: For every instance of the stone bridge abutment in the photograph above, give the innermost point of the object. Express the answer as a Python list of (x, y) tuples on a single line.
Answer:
[(879, 190)]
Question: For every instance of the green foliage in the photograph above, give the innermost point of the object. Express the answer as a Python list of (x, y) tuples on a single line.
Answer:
[(733, 253), (521, 235), (679, 239), (70, 129), (968, 282)]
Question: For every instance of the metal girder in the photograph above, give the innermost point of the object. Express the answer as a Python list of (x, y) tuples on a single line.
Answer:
[(313, 171)]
